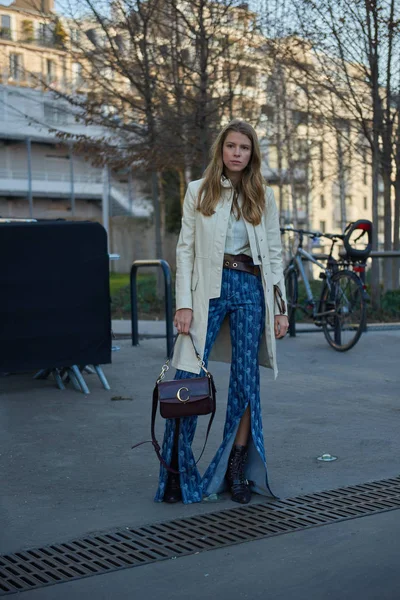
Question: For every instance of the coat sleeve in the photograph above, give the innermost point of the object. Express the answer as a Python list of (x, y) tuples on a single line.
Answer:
[(185, 253), (275, 246)]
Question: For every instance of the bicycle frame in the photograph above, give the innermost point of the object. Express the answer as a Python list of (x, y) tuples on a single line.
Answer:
[(298, 260)]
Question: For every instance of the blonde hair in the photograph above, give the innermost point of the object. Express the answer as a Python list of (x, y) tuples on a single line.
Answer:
[(252, 184)]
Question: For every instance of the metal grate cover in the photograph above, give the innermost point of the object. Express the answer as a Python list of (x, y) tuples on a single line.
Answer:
[(126, 547)]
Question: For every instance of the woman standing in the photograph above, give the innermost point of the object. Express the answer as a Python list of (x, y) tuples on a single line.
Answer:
[(228, 262)]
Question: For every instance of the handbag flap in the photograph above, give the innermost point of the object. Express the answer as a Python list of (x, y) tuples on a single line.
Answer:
[(194, 389)]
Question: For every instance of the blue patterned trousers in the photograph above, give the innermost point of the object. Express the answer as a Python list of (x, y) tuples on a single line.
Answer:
[(242, 299)]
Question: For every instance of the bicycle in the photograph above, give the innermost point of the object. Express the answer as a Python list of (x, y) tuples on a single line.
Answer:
[(342, 306)]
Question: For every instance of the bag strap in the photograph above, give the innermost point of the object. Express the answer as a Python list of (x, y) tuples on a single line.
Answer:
[(165, 366), (154, 441), (279, 299)]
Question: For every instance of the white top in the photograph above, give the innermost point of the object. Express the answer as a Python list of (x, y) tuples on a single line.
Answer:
[(237, 239)]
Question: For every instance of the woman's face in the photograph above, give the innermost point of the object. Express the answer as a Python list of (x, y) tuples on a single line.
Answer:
[(236, 153)]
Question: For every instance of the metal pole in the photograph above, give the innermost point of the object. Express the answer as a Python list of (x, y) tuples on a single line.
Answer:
[(168, 300), (168, 306), (134, 311), (105, 200), (385, 254), (71, 172), (29, 157), (130, 188), (110, 204)]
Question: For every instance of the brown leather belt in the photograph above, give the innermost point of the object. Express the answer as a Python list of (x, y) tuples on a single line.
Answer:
[(240, 262)]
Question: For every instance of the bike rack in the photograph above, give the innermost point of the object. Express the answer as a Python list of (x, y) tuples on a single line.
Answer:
[(168, 300)]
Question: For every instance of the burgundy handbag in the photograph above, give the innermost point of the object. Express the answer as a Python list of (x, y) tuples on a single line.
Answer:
[(181, 398)]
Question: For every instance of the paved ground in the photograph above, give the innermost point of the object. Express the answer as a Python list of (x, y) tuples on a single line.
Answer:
[(67, 469)]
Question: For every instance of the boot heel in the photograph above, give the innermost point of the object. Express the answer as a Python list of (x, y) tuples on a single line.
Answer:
[(173, 492)]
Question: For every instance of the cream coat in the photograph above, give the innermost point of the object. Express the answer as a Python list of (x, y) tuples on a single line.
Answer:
[(199, 259)]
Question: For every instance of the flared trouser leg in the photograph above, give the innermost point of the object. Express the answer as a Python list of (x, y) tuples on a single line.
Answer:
[(190, 479), (247, 320)]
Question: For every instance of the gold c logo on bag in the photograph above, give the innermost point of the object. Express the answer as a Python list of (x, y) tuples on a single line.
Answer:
[(178, 394)]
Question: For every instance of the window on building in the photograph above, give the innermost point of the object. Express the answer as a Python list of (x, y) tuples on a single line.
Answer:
[(323, 201), (268, 110), (55, 114), (185, 55), (46, 34), (50, 70), (299, 117), (322, 226), (248, 77), (5, 27), (302, 149), (16, 66), (75, 36), (77, 78), (365, 166), (365, 203), (321, 162)]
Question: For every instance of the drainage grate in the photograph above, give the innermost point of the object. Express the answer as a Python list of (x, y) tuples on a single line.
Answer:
[(121, 548)]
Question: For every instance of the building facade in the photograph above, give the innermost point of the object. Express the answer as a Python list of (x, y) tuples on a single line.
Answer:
[(320, 171)]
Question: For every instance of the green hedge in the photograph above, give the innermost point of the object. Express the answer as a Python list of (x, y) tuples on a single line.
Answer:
[(390, 308), (151, 307)]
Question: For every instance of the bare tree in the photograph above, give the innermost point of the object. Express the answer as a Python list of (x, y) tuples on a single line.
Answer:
[(354, 45), (158, 77)]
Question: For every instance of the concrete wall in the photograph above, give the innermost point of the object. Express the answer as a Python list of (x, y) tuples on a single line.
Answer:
[(134, 239), (45, 208)]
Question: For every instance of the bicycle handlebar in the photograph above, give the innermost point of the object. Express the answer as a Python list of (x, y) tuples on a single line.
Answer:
[(314, 234)]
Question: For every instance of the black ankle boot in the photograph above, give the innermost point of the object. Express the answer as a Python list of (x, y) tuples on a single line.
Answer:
[(238, 484), (173, 492)]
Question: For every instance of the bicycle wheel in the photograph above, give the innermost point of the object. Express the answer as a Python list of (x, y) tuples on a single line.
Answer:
[(291, 286), (346, 300)]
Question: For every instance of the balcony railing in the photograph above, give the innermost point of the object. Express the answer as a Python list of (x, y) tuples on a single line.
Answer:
[(21, 174), (44, 42)]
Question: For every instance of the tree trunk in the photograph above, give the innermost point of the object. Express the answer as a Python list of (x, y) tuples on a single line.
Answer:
[(157, 228), (295, 219), (279, 159), (203, 101), (375, 287), (396, 232), (373, 48), (387, 262), (342, 180), (182, 186)]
